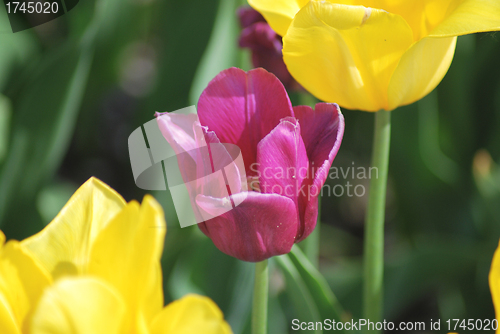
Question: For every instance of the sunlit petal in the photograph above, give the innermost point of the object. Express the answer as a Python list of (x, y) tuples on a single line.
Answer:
[(192, 314), (64, 245), (278, 13), (126, 254), (469, 16), (346, 54), (22, 281), (79, 306), (494, 280), (420, 70)]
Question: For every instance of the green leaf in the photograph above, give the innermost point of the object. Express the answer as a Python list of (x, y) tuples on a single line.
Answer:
[(42, 124), (222, 50), (5, 114), (52, 198), (298, 292), (323, 296), (239, 306), (16, 49)]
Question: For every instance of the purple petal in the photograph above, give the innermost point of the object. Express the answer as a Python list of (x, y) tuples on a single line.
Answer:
[(248, 16), (263, 225), (322, 130), (261, 37), (207, 167), (242, 108), (228, 159), (282, 163), (266, 47), (179, 131)]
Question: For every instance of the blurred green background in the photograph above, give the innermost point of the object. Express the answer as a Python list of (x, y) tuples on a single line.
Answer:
[(72, 91)]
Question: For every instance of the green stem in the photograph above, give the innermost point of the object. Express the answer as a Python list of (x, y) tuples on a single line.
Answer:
[(260, 298), (374, 220)]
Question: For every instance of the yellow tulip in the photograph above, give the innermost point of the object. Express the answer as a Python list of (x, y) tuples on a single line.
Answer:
[(96, 269), (22, 281), (494, 279), (374, 54)]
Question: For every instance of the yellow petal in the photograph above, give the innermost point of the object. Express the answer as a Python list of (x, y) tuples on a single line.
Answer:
[(440, 18), (421, 15), (8, 323), (79, 306), (420, 70), (278, 13), (22, 281), (469, 16), (63, 246), (127, 253), (191, 314), (494, 280), (346, 54)]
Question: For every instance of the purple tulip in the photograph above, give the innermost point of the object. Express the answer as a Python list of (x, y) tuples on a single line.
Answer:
[(266, 45), (287, 153)]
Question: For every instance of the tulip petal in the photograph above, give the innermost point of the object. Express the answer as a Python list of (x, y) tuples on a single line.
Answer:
[(126, 254), (69, 307), (22, 281), (263, 225), (422, 15), (248, 16), (469, 16), (420, 70), (225, 157), (200, 154), (322, 130), (63, 246), (242, 108), (179, 130), (8, 321), (283, 165), (186, 136), (266, 48), (346, 54), (278, 13), (191, 314), (494, 280)]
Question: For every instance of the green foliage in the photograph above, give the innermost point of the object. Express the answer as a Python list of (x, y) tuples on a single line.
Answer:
[(73, 90)]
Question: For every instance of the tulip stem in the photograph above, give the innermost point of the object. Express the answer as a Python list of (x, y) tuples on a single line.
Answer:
[(260, 298), (374, 221)]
